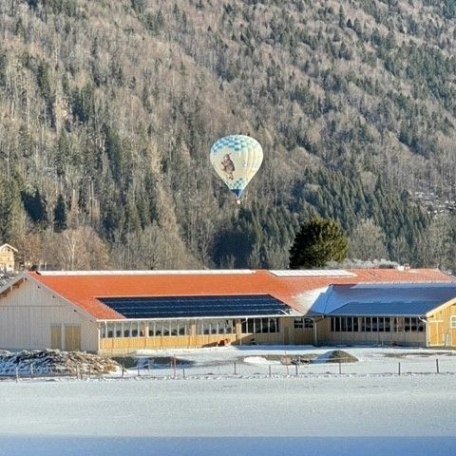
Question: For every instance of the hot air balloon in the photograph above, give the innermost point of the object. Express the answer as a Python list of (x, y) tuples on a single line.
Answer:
[(236, 159)]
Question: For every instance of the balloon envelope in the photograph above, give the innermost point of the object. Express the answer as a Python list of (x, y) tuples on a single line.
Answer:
[(236, 159)]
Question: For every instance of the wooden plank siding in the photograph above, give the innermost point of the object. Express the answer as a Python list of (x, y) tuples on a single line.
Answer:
[(29, 315), (440, 330)]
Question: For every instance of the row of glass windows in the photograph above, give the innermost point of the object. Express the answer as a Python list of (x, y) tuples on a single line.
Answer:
[(303, 323), (376, 324), (260, 325), (182, 328)]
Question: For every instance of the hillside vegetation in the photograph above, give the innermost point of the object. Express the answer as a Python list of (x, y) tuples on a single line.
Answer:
[(108, 111)]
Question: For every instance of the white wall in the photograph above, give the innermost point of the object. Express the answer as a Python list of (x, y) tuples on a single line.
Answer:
[(27, 313)]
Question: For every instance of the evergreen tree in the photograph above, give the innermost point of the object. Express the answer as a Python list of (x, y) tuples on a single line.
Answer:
[(60, 215), (318, 242), (35, 205)]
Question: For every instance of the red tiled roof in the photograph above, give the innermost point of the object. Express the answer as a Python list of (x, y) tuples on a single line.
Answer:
[(84, 289)]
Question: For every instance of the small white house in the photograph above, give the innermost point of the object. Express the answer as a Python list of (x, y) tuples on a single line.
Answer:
[(7, 261)]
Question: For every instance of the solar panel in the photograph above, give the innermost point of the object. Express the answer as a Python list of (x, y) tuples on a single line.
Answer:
[(197, 306)]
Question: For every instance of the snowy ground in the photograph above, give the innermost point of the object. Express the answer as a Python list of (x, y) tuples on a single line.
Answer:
[(373, 411)]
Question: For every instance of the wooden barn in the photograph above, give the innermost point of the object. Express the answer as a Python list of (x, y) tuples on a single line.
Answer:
[(118, 312)]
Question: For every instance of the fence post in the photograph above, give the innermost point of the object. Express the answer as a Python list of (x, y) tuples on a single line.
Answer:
[(77, 371), (17, 374), (399, 369), (174, 367), (269, 371), (32, 370), (340, 368), (234, 368), (297, 369), (437, 365), (183, 372)]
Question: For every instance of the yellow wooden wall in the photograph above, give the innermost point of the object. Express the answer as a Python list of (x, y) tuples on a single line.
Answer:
[(440, 332)]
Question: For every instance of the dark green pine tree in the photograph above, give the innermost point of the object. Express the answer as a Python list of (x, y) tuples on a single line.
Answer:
[(35, 206), (60, 215), (318, 242)]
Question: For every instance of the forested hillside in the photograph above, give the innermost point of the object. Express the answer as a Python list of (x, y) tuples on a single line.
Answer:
[(108, 110)]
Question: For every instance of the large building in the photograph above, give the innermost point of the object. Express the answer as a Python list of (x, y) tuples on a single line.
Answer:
[(118, 312)]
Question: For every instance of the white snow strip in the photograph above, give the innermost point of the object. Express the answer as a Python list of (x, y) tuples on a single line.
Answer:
[(149, 272), (313, 273)]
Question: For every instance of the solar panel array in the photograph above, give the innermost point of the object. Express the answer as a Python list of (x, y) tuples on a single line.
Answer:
[(197, 306)]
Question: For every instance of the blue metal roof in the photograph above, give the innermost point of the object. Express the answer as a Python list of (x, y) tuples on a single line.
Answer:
[(385, 309), (383, 300)]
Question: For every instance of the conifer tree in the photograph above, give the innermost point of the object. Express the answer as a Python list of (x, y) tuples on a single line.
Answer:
[(318, 242), (60, 215)]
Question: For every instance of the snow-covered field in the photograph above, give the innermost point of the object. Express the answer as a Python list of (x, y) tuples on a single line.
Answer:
[(213, 411)]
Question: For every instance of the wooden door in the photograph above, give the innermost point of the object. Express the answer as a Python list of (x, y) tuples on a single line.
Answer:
[(56, 337), (72, 337)]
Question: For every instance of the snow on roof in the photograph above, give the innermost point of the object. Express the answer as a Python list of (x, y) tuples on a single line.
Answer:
[(313, 273), (8, 246), (147, 272)]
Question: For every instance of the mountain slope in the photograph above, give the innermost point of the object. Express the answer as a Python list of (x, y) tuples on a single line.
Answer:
[(110, 108)]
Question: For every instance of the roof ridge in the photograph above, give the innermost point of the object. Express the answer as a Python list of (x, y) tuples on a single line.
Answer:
[(130, 272)]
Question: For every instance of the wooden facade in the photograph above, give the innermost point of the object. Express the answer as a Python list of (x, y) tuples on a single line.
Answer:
[(441, 326), (32, 317), (129, 336), (381, 331)]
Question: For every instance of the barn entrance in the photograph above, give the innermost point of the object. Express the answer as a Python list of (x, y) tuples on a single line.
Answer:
[(56, 337), (72, 337)]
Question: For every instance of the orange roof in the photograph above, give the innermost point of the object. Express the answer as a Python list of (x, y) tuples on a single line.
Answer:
[(84, 288)]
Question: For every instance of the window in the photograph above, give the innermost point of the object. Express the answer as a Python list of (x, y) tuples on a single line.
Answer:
[(178, 328), (413, 324), (374, 324), (216, 327), (260, 325), (398, 324), (344, 324), (303, 323), (453, 322), (308, 323)]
